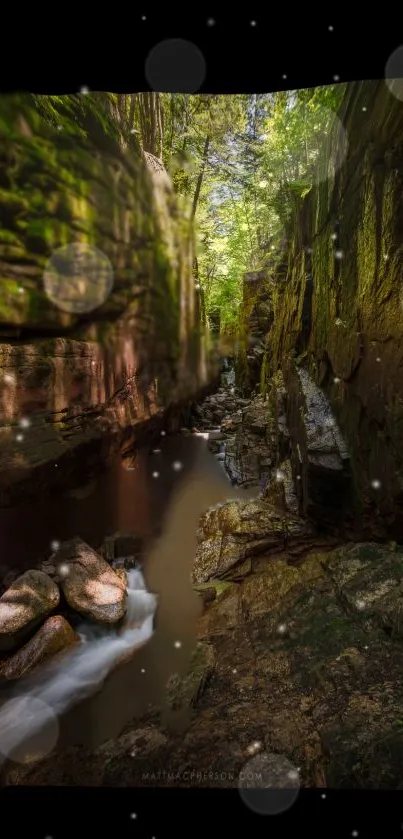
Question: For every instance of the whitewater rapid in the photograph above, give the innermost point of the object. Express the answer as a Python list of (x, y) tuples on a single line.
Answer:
[(78, 674)]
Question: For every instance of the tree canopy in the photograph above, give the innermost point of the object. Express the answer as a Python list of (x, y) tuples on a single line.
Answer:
[(238, 162)]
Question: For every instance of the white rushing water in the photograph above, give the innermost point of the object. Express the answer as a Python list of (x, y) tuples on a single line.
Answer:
[(77, 675)]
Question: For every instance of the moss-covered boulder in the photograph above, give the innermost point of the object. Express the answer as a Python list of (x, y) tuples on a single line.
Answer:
[(232, 533)]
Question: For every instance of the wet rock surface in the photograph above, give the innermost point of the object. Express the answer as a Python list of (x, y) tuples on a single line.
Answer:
[(55, 635), (236, 531), (294, 665), (30, 599), (300, 642), (89, 584)]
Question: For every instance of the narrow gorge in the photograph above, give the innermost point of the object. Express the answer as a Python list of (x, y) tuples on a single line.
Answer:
[(201, 475)]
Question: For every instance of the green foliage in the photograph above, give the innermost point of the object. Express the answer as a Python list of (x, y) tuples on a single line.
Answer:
[(261, 161), (239, 165)]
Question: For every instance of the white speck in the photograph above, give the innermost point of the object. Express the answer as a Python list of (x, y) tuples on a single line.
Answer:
[(211, 22), (156, 474), (55, 545), (177, 465), (197, 286), (93, 363), (330, 28), (376, 484), (133, 815), (281, 629), (354, 833), (308, 250), (143, 17), (298, 477), (21, 290), (142, 670), (133, 753), (163, 433), (19, 438), (279, 475), (293, 775), (336, 78), (56, 465), (284, 76), (178, 644), (334, 237), (60, 128), (339, 254), (84, 90), (254, 747), (364, 108), (64, 569), (378, 359), (323, 795), (336, 380), (234, 670), (253, 23), (25, 422), (360, 604), (156, 451), (9, 379), (366, 647), (386, 256)]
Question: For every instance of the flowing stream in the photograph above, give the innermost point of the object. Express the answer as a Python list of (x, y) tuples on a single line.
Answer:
[(90, 694), (29, 720)]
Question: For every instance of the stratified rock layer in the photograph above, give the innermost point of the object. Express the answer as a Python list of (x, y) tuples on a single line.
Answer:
[(74, 375), (337, 306)]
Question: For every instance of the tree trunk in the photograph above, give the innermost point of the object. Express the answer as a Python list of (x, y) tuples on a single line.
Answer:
[(200, 177)]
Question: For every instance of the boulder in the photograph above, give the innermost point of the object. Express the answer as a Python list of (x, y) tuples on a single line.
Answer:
[(280, 490), (54, 636), (121, 573), (319, 453), (30, 599), (232, 532), (89, 584)]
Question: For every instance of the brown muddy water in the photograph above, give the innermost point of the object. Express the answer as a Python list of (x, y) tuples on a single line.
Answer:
[(158, 496)]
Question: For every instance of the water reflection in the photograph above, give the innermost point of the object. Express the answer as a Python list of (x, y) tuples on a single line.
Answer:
[(166, 490)]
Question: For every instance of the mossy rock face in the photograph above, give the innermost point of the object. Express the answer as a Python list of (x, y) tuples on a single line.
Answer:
[(184, 692), (340, 306), (66, 180)]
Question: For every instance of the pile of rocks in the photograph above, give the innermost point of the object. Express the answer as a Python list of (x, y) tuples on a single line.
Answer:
[(39, 610)]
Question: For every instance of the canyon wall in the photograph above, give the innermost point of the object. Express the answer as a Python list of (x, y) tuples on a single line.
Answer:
[(69, 376), (337, 310)]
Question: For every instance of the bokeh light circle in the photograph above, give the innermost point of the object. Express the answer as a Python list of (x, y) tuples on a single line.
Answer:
[(78, 278), (394, 73), (175, 66), (332, 144), (269, 784), (29, 729)]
